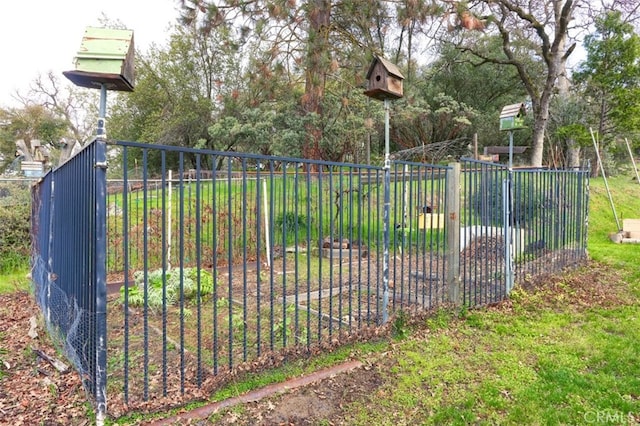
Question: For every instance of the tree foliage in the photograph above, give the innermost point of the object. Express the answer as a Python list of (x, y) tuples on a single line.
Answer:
[(32, 122), (610, 75)]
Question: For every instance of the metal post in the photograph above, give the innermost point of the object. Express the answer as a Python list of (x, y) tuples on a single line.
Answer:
[(633, 161), (103, 111), (510, 149), (506, 209), (100, 277), (604, 178), (386, 217)]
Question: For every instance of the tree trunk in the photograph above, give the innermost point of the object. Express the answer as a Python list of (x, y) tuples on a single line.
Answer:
[(573, 150), (319, 15), (541, 117)]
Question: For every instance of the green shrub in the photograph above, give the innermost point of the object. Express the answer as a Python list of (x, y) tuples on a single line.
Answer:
[(290, 221), (156, 281), (15, 214)]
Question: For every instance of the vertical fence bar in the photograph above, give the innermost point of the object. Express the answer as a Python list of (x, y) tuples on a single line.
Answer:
[(244, 213), (309, 251), (166, 245), (259, 213), (215, 233), (198, 238), (181, 263), (125, 260), (145, 266)]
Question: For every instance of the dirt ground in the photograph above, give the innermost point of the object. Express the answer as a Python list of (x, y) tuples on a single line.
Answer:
[(33, 392), (319, 403)]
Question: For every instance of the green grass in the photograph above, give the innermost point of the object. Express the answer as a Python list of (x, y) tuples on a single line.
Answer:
[(540, 360), (493, 367), (626, 198), (14, 281)]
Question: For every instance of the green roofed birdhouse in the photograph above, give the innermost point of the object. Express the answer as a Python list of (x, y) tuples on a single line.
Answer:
[(384, 80), (106, 57), (512, 116)]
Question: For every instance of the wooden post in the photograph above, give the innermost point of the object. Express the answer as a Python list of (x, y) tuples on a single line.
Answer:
[(452, 202), (475, 146)]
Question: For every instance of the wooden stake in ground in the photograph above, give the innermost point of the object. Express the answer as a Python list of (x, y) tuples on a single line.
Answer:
[(56, 363)]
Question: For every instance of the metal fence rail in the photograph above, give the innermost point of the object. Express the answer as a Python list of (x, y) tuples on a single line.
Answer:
[(193, 263)]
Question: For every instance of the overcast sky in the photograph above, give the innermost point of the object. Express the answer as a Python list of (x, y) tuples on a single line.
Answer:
[(37, 36)]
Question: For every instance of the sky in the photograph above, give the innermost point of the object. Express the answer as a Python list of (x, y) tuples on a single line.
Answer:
[(38, 36)]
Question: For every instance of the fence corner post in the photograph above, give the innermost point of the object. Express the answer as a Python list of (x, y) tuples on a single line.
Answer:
[(100, 278), (452, 202)]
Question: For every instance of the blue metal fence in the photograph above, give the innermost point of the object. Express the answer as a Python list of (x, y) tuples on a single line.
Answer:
[(68, 272), (517, 225), (213, 262)]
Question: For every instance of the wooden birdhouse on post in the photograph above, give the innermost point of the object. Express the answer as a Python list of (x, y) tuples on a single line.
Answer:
[(106, 57), (512, 116), (384, 80)]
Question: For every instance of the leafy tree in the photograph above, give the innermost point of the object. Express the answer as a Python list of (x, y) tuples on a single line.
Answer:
[(610, 75), (177, 92), (33, 122), (482, 86), (76, 106), (530, 33), (318, 46)]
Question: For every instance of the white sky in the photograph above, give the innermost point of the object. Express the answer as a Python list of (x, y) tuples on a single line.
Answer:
[(38, 36)]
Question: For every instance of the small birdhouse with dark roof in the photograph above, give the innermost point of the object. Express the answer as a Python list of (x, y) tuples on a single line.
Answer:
[(384, 80)]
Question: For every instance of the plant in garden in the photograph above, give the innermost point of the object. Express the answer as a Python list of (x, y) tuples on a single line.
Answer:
[(174, 282), (290, 224), (287, 325)]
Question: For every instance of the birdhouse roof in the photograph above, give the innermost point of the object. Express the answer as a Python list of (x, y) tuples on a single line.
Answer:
[(513, 110), (390, 67)]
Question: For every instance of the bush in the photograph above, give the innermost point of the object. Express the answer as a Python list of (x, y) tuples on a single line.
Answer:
[(15, 214), (156, 280)]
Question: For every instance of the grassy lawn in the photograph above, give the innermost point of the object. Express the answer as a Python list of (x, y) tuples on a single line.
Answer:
[(539, 358), (565, 353), (14, 281)]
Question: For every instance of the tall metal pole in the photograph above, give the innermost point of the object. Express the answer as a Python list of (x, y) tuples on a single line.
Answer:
[(510, 149), (604, 178), (102, 113), (386, 217), (100, 267), (508, 222)]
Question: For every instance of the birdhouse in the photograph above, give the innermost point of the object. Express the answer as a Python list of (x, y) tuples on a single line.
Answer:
[(106, 56), (384, 80), (512, 116)]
